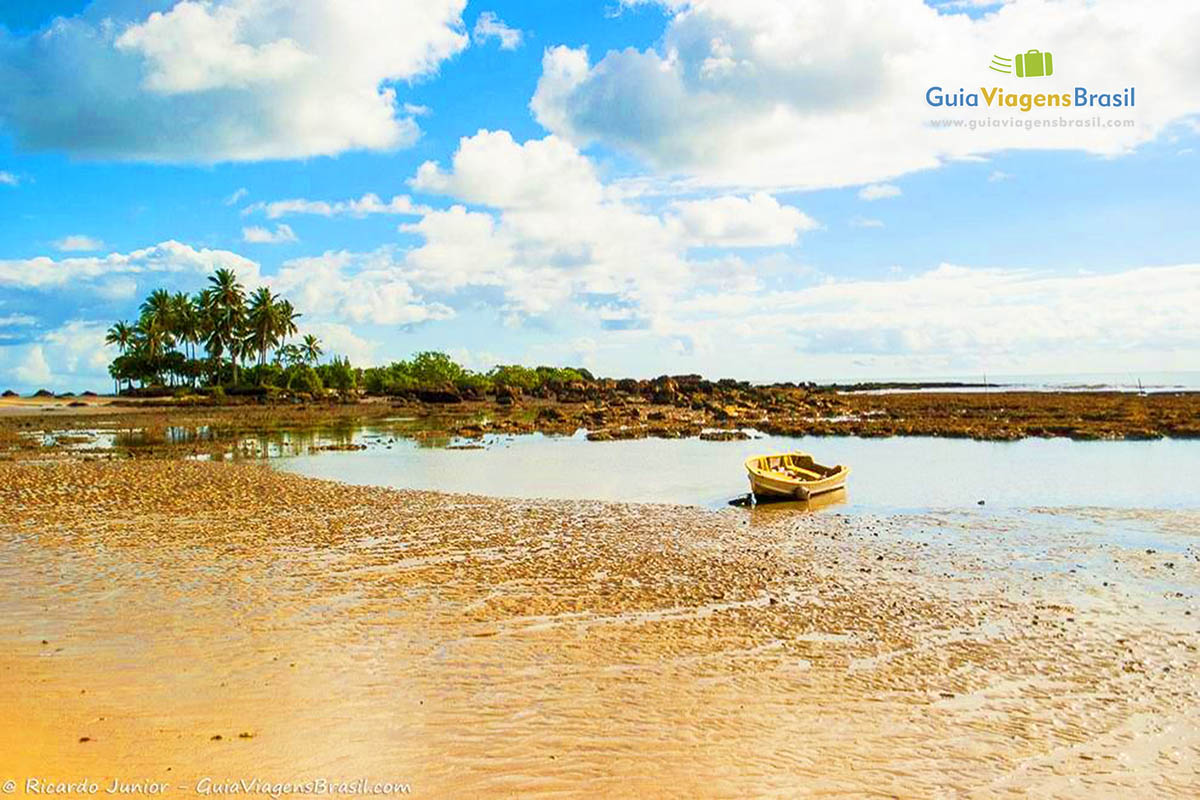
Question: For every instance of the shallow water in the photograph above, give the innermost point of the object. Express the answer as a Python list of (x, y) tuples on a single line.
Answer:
[(889, 475)]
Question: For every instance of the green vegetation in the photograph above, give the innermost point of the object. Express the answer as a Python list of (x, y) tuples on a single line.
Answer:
[(162, 349), (432, 371), (222, 341)]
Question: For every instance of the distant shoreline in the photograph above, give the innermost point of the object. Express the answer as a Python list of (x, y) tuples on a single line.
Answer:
[(647, 409), (849, 388)]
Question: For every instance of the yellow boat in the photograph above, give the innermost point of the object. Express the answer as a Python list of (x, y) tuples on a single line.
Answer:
[(793, 475)]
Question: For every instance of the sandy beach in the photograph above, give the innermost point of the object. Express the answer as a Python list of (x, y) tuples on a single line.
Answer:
[(698, 399), (182, 621)]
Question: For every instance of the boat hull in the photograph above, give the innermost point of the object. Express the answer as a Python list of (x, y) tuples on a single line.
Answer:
[(793, 475)]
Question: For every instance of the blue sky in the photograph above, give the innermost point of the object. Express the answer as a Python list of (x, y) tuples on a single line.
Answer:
[(641, 188)]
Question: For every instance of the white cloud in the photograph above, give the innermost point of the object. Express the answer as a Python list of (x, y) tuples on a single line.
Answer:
[(363, 206), (225, 80), (78, 347), (775, 93), (78, 243), (97, 272), (195, 47), (490, 168), (9, 179), (998, 175), (489, 26), (256, 234), (16, 321), (554, 239), (33, 368), (866, 222), (70, 357), (354, 287), (968, 316), (237, 196), (116, 288), (963, 5), (879, 191), (729, 221), (341, 340), (559, 230), (461, 248)]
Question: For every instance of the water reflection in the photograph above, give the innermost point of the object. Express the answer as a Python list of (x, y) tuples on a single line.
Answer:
[(769, 510), (890, 474)]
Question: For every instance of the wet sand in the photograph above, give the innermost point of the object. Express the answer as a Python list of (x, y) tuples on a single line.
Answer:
[(478, 647)]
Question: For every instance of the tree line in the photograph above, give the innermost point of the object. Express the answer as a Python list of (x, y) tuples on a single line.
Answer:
[(246, 340), (223, 339)]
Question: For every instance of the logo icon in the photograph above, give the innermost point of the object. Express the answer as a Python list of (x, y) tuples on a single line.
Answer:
[(1030, 64)]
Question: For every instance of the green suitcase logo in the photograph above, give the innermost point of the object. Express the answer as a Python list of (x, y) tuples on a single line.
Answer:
[(1034, 64), (1030, 64)]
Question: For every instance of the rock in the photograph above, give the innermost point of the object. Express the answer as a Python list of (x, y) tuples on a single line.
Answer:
[(43, 393), (470, 431), (724, 436), (507, 395), (665, 391), (573, 392), (689, 384), (446, 393), (10, 393), (615, 434), (551, 414), (724, 413)]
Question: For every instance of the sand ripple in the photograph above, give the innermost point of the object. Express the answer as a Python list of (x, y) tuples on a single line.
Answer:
[(475, 646)]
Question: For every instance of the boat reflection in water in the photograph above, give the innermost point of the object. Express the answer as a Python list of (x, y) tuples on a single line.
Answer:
[(768, 509)]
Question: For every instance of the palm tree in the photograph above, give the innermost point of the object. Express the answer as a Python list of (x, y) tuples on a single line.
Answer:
[(232, 327), (311, 348), (159, 309), (186, 324), (288, 355), (210, 336), (287, 321), (154, 331), (240, 349), (152, 339), (263, 323), (120, 334), (225, 308)]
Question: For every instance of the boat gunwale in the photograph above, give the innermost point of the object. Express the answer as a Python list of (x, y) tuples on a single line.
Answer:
[(764, 479)]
